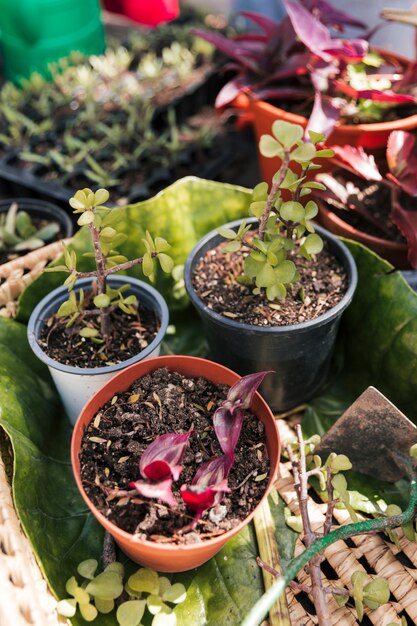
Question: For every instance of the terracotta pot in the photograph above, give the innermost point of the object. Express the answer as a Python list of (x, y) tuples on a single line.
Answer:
[(163, 557), (392, 251), (372, 137)]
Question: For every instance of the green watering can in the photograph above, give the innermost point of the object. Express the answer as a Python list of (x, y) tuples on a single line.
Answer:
[(35, 33)]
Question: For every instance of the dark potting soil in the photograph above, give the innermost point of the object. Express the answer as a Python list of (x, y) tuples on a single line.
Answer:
[(161, 402), (323, 279), (130, 335)]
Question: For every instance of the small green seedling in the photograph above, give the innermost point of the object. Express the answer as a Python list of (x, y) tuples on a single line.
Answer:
[(101, 222), (18, 232), (285, 228)]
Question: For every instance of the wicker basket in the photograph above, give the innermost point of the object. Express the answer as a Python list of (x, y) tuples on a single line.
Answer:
[(26, 601)]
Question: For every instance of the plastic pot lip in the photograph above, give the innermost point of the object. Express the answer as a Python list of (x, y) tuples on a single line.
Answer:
[(365, 238), (350, 267), (45, 307), (122, 535), (44, 208)]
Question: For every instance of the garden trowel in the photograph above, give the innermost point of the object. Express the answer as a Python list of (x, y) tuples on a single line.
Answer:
[(369, 432)]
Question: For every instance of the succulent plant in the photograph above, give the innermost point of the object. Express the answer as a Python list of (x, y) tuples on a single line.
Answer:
[(18, 232)]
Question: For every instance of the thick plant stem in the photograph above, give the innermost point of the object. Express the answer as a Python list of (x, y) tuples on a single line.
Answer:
[(261, 608), (265, 534), (271, 196)]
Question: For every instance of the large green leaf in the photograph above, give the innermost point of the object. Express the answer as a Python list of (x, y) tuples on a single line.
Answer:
[(376, 346)]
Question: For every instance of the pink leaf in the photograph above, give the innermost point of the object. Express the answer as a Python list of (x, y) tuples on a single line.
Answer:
[(227, 426), (212, 472), (402, 160), (161, 490), (163, 457), (373, 94), (241, 393), (324, 116), (330, 16), (309, 30), (265, 23), (357, 161), (406, 222)]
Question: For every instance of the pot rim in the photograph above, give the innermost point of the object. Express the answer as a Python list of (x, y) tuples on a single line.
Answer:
[(151, 365), (48, 209), (391, 245), (36, 322), (350, 268)]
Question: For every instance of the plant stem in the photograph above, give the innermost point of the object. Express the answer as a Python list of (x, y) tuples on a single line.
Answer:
[(100, 274), (261, 608), (116, 268), (273, 192), (265, 534)]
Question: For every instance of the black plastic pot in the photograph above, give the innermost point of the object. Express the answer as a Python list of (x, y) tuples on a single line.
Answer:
[(299, 354), (42, 210)]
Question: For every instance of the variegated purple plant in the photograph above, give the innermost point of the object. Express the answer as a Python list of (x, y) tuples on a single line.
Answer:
[(401, 179), (298, 59), (160, 465)]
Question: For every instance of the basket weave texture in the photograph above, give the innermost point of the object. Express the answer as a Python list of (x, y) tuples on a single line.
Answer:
[(26, 601)]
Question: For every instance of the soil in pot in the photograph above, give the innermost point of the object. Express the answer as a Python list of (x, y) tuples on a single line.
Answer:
[(130, 335), (370, 210), (160, 402), (322, 284)]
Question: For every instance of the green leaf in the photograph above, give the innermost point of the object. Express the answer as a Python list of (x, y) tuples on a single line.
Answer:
[(341, 463), (260, 192), (108, 233), (104, 606), (145, 580), (166, 262), (148, 264), (107, 585), (313, 244), (287, 133), (130, 613), (269, 147), (227, 233), (101, 196), (88, 332), (266, 276), (161, 245), (376, 593), (232, 246), (48, 232), (316, 137), (304, 153), (311, 210), (87, 568), (175, 594), (88, 612), (285, 272), (67, 607), (292, 211), (154, 604), (102, 300), (257, 208), (85, 218)]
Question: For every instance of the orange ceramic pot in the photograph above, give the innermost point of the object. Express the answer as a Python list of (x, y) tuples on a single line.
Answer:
[(392, 251), (163, 557), (372, 137)]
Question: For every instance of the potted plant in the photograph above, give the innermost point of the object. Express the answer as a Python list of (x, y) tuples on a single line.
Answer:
[(323, 83), (27, 224), (262, 295), (107, 322), (192, 461), (375, 203)]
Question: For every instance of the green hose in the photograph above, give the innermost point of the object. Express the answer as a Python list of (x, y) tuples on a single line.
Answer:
[(261, 608)]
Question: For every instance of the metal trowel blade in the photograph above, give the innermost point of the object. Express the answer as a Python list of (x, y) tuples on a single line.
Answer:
[(366, 432)]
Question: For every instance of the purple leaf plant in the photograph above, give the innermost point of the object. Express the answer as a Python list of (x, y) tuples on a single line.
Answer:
[(297, 59), (161, 462), (400, 178)]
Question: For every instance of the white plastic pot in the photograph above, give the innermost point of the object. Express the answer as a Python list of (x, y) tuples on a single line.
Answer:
[(76, 385)]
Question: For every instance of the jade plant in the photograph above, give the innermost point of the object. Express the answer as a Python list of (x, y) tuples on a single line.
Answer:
[(160, 463), (101, 221), (285, 228), (142, 592), (18, 232)]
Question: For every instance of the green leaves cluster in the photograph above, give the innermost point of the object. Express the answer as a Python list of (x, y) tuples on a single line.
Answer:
[(371, 593), (102, 222), (144, 588), (287, 228), (18, 232)]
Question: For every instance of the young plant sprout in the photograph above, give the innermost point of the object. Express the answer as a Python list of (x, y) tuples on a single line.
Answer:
[(101, 222), (285, 228), (160, 463), (17, 231)]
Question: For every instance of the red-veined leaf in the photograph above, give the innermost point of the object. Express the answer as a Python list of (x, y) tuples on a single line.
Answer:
[(358, 161), (241, 393), (402, 160), (163, 456)]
